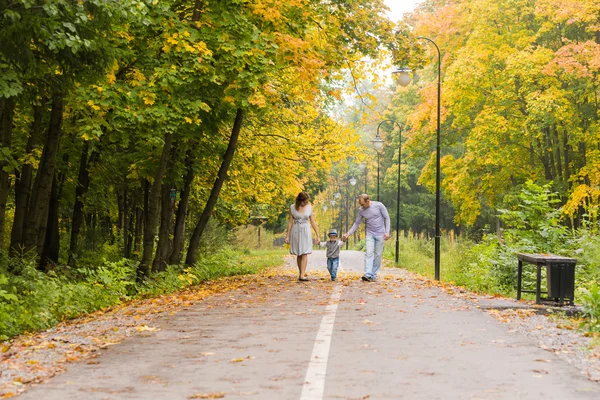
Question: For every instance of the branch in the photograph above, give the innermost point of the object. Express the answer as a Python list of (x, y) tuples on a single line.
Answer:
[(355, 84)]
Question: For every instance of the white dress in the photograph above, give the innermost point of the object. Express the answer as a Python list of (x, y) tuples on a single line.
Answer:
[(300, 236)]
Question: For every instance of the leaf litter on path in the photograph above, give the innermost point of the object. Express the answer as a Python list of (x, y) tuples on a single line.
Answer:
[(37, 357)]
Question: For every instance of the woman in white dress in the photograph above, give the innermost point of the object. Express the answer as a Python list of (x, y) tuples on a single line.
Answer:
[(298, 232)]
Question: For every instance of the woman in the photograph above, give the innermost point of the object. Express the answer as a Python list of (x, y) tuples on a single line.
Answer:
[(298, 232)]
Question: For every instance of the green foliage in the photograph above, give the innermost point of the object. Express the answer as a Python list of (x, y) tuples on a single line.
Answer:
[(591, 307), (7, 301), (33, 300), (533, 226), (38, 300), (533, 222), (586, 248)]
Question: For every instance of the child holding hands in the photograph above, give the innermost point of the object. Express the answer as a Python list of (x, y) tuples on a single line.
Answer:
[(333, 253)]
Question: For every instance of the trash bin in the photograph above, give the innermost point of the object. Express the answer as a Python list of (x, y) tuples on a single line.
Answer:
[(560, 280)]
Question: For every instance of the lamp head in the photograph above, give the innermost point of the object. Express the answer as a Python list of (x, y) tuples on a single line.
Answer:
[(352, 181), (378, 143), (402, 76)]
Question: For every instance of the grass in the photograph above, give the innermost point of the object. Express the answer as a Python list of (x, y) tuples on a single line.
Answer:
[(460, 263)]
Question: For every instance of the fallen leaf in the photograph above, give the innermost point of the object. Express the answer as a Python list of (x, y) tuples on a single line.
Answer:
[(144, 328), (216, 395)]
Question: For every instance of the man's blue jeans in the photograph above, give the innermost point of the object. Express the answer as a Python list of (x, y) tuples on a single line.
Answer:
[(332, 267), (373, 255)]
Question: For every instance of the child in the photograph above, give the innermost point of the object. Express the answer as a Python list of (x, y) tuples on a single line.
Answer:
[(333, 253)]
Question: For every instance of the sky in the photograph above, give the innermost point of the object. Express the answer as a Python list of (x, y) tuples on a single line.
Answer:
[(398, 7)]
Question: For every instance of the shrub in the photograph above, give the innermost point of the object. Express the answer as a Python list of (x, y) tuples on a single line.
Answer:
[(591, 307)]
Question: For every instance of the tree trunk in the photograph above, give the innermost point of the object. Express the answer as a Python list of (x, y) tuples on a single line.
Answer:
[(121, 200), (23, 186), (38, 209), (129, 225), (163, 249), (179, 232), (107, 229), (51, 243), (197, 10), (192, 254), (127, 220), (549, 149), (141, 218), (153, 214), (139, 229), (49, 247), (7, 112), (566, 155), (531, 155), (544, 156), (83, 184), (557, 145)]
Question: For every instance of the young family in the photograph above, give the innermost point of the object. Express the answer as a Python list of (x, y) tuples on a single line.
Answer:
[(299, 236)]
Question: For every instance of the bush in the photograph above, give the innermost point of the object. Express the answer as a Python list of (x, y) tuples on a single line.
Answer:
[(7, 305), (591, 307), (31, 300)]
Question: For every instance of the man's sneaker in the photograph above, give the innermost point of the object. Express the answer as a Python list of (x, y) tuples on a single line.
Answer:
[(365, 278), (372, 279)]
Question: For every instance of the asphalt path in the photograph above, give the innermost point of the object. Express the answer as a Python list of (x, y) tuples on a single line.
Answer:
[(277, 338)]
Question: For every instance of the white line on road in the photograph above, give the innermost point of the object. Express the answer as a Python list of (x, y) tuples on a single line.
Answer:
[(314, 382)]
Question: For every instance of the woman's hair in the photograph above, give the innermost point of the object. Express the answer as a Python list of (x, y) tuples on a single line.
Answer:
[(301, 200)]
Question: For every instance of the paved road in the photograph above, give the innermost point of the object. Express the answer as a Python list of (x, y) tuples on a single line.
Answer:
[(282, 339)]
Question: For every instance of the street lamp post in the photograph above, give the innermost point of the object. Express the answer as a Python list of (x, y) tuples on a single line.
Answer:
[(353, 183), (325, 233), (378, 145), (363, 167), (332, 202), (337, 195), (346, 212), (398, 186), (438, 171)]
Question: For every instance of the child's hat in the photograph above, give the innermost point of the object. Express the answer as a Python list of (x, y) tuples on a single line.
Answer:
[(332, 232)]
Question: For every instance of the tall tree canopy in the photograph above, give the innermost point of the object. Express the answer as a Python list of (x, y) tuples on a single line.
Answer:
[(141, 118)]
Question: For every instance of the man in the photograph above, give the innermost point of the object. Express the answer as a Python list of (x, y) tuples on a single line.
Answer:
[(377, 221)]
